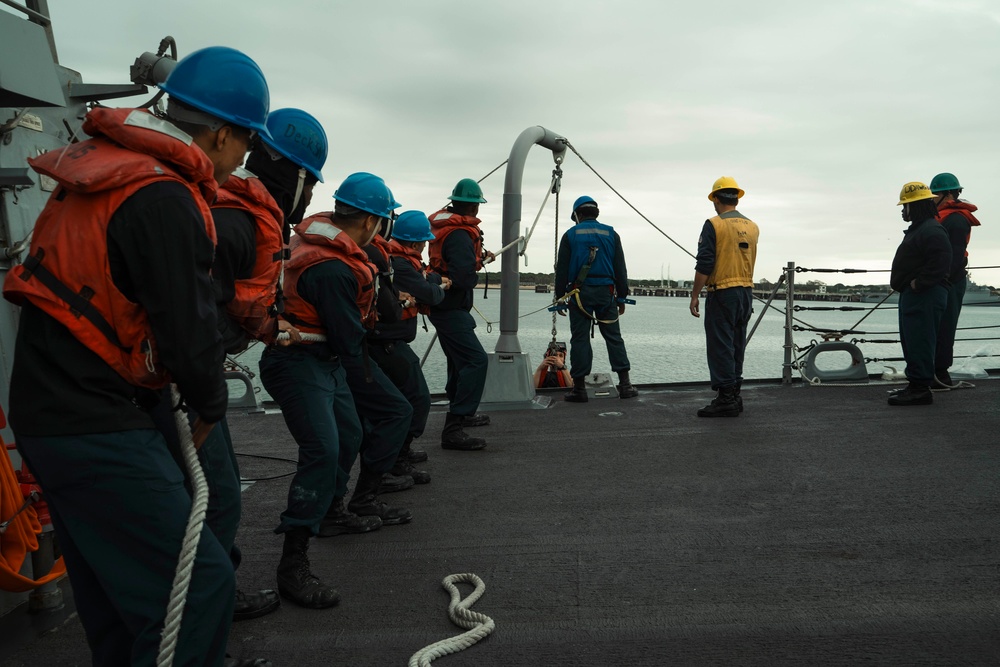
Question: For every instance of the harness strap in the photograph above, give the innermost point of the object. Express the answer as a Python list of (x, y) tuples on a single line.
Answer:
[(79, 303), (585, 269), (579, 304)]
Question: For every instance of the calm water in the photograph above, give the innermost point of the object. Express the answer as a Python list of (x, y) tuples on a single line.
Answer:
[(666, 344)]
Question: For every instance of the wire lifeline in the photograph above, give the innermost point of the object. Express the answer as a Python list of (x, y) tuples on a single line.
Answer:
[(192, 535), (479, 625), (630, 205)]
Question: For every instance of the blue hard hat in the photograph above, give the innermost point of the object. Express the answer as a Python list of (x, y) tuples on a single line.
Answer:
[(299, 137), (367, 192), (412, 226), (580, 201), (224, 83)]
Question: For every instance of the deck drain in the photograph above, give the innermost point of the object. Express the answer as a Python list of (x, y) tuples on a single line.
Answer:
[(610, 414)]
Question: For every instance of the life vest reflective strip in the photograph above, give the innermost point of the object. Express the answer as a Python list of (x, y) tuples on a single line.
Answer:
[(415, 258), (318, 240), (443, 223), (735, 252), (963, 208), (67, 273), (255, 304)]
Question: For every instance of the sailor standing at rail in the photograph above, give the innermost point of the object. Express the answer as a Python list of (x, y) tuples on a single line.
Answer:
[(117, 302), (459, 256), (592, 261), (920, 272), (727, 252), (251, 229), (956, 216), (390, 347)]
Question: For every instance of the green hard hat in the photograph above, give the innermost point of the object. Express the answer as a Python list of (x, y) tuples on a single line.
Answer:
[(467, 190), (944, 183)]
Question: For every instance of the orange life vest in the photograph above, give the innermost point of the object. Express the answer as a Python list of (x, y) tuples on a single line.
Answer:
[(67, 274), (255, 304), (415, 258), (318, 240), (963, 208), (560, 379), (443, 223)]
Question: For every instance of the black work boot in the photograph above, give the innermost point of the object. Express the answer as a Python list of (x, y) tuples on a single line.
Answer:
[(295, 580), (256, 604), (723, 405), (338, 521), (365, 502), (409, 454), (404, 468), (471, 421), (391, 482), (414, 455), (625, 387), (453, 437), (736, 395), (913, 394), (578, 394)]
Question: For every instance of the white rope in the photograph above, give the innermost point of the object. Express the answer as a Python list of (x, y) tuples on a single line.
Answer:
[(503, 250), (540, 209), (192, 535), (308, 337), (479, 625)]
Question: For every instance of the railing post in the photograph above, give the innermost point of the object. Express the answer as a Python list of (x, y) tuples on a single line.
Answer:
[(786, 366)]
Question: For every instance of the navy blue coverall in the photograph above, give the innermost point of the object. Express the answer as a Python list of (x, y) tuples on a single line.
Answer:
[(604, 284), (727, 314), (920, 271), (456, 328), (389, 344), (117, 496), (309, 382)]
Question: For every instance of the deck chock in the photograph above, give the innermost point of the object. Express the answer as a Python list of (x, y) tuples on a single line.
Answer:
[(599, 385), (249, 400), (856, 372)]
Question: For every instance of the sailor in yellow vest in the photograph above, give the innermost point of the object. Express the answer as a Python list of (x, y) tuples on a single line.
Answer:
[(727, 251)]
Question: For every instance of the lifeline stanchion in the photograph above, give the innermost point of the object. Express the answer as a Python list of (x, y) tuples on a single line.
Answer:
[(192, 535), (430, 346), (479, 626)]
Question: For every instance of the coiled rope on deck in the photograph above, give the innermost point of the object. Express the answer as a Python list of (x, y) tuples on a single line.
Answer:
[(479, 625), (192, 535)]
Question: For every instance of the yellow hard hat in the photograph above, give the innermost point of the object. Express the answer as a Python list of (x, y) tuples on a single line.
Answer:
[(725, 183), (914, 191)]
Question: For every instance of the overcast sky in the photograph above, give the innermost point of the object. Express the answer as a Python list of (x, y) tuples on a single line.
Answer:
[(821, 111)]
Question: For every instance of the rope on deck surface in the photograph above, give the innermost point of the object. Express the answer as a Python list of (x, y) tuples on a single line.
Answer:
[(479, 625), (192, 535)]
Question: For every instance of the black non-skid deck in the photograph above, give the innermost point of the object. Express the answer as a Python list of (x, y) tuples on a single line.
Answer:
[(820, 527)]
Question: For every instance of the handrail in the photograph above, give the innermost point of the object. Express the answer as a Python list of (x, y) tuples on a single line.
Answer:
[(37, 17)]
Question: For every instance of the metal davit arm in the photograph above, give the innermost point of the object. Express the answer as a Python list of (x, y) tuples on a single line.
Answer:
[(509, 267)]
